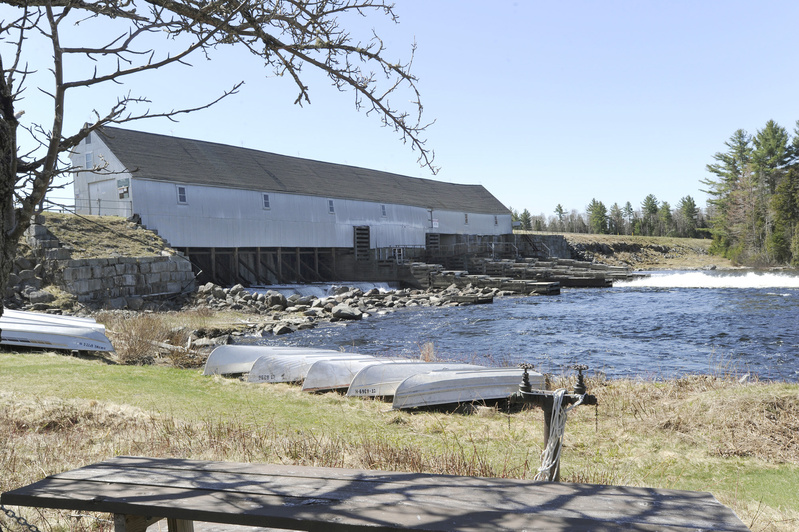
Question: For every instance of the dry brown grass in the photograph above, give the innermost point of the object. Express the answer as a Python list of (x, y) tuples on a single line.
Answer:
[(722, 416), (145, 337), (103, 236)]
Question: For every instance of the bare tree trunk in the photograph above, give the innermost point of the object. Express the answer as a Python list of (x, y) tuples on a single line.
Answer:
[(8, 174)]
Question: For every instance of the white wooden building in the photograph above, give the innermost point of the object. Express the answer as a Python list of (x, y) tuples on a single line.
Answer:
[(263, 212)]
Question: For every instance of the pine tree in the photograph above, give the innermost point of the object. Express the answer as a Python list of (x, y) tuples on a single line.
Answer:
[(687, 217), (785, 206), (728, 169), (597, 217), (770, 155), (616, 220), (649, 215)]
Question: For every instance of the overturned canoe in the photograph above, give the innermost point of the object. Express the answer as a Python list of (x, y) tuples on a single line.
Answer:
[(234, 359), (337, 374), (439, 388), (294, 368), (52, 331), (382, 381)]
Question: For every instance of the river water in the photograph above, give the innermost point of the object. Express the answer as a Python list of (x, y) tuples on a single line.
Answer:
[(665, 325)]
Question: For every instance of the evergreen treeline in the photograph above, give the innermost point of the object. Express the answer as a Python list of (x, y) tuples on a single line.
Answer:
[(653, 218), (755, 197), (752, 214)]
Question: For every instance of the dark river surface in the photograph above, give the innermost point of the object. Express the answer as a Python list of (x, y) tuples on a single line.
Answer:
[(665, 325)]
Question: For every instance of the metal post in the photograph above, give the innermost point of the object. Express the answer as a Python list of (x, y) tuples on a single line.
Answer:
[(546, 401)]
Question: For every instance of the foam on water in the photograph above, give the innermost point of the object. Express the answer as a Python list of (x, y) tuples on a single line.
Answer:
[(706, 279), (319, 290)]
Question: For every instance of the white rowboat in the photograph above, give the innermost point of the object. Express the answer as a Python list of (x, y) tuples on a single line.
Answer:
[(52, 331), (382, 381), (454, 387)]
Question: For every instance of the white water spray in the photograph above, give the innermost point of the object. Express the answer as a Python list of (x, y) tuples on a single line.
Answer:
[(319, 290), (714, 279)]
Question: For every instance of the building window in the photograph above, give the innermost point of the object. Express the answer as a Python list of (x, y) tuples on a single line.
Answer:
[(89, 160), (496, 220), (123, 188), (89, 138), (266, 201), (330, 207), (466, 218), (383, 210), (182, 196)]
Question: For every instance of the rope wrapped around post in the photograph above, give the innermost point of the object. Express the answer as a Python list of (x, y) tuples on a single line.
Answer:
[(556, 406)]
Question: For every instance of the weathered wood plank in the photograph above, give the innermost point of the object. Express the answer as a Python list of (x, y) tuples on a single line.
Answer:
[(312, 513), (146, 470), (305, 498), (133, 523)]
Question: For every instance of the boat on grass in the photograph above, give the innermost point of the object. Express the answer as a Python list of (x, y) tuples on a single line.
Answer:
[(52, 331), (294, 368), (337, 374), (452, 387), (237, 359), (382, 381)]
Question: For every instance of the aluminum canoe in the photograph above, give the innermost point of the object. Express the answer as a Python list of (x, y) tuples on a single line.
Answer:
[(382, 381), (337, 374), (235, 359), (52, 331), (294, 368), (461, 386)]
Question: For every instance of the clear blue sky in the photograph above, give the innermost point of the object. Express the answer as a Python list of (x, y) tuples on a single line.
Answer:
[(540, 102)]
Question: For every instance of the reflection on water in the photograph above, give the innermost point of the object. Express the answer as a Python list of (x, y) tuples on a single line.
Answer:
[(664, 325)]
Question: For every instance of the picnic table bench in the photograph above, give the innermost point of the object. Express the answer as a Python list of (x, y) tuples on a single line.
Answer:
[(140, 491)]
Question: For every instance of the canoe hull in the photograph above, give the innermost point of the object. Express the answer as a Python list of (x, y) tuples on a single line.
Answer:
[(441, 388), (294, 368), (49, 331), (383, 381)]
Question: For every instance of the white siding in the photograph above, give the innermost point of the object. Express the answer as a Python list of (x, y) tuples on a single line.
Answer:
[(220, 217), (97, 193)]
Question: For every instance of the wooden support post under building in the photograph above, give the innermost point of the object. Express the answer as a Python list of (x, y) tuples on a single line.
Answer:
[(258, 277), (213, 266), (234, 267)]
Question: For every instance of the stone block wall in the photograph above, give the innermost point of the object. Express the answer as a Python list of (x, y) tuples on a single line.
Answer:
[(122, 277), (556, 245), (113, 282)]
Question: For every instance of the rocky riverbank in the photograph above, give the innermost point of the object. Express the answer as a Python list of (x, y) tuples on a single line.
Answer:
[(273, 313)]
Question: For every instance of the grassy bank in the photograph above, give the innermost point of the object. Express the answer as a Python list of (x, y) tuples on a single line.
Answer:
[(647, 252), (738, 441)]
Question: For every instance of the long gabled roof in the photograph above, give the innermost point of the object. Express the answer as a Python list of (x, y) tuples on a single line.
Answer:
[(173, 159)]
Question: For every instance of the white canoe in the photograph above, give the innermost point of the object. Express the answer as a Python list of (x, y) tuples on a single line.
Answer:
[(337, 374), (383, 381), (294, 368), (52, 331), (464, 386), (234, 359)]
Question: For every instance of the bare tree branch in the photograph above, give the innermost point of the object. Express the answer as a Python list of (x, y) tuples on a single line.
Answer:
[(287, 35)]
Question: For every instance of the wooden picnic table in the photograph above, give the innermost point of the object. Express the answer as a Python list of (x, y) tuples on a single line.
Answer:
[(140, 491)]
